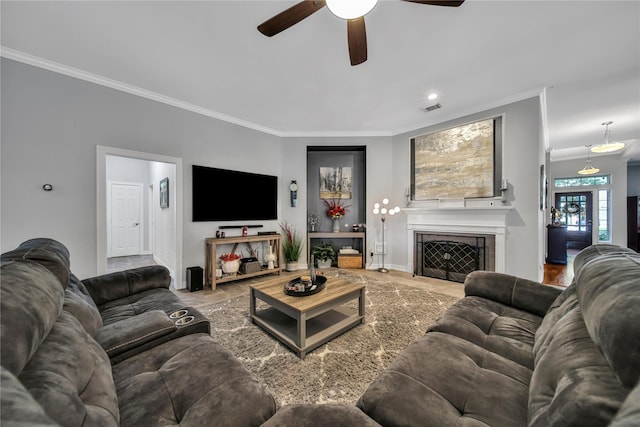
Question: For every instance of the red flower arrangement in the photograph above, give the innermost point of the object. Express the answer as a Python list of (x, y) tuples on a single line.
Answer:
[(229, 257), (335, 208)]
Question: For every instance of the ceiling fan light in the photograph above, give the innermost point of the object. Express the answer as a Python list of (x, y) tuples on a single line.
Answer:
[(351, 9)]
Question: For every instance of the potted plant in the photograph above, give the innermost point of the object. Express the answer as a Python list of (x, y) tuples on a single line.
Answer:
[(291, 246), (324, 254), (230, 263)]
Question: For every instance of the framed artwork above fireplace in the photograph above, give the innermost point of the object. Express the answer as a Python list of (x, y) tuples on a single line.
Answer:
[(459, 162)]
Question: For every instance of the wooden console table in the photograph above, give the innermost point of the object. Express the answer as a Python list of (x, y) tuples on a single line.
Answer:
[(211, 256)]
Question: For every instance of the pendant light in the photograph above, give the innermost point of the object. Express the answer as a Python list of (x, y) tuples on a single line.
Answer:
[(588, 168), (608, 146)]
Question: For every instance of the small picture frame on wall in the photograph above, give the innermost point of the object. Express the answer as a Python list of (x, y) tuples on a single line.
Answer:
[(164, 193)]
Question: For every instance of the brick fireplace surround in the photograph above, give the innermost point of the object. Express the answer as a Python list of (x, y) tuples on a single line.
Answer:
[(488, 218)]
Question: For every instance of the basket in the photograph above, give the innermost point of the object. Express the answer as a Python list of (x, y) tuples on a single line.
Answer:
[(350, 261)]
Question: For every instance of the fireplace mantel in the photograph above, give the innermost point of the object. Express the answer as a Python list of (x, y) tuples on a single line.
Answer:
[(486, 219)]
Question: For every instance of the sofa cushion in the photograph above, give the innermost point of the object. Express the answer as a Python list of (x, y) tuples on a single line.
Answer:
[(204, 382), (629, 413), (510, 290), (496, 327), (49, 253), (444, 380), (26, 284), (608, 289), (572, 383), (70, 377), (138, 303), (326, 415), (122, 284), (17, 406), (78, 302), (118, 337)]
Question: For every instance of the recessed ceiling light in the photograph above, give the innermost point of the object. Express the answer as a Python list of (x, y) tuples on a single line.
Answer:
[(432, 96)]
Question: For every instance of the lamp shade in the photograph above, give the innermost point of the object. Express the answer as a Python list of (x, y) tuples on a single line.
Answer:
[(350, 9), (608, 146), (588, 169)]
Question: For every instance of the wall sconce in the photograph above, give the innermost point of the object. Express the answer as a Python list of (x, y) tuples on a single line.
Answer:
[(382, 211), (504, 186), (293, 192)]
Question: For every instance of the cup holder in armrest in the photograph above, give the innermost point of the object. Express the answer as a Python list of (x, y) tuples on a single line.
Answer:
[(178, 314), (184, 320)]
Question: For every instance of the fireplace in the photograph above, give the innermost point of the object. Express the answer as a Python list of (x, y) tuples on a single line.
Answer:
[(476, 225), (450, 256)]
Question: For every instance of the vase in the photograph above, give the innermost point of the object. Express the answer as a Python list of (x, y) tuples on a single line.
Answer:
[(324, 263), (292, 265), (230, 267), (336, 225)]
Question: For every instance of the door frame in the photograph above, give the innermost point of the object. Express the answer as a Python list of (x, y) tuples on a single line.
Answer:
[(109, 217), (101, 199)]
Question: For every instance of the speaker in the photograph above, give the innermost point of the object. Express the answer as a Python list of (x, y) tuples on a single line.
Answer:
[(195, 279)]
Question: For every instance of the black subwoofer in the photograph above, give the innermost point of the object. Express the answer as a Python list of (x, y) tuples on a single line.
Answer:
[(195, 278)]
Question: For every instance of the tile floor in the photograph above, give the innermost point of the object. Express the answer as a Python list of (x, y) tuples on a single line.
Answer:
[(126, 262)]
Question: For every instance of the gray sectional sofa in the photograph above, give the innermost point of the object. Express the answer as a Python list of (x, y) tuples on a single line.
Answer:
[(516, 353), (511, 353), (106, 352)]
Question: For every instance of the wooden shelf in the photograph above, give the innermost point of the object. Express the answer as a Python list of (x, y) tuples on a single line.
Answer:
[(211, 256), (354, 235)]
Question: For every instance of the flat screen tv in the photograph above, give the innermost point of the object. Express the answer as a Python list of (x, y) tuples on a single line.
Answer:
[(227, 195)]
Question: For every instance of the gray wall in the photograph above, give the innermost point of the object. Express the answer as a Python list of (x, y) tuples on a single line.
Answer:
[(51, 125), (522, 145)]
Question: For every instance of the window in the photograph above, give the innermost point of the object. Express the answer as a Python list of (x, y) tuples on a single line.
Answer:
[(573, 210), (603, 216), (581, 181)]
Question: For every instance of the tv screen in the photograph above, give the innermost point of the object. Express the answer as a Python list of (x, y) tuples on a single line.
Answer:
[(227, 195)]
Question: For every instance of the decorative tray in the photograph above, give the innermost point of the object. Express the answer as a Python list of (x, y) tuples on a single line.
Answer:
[(291, 287)]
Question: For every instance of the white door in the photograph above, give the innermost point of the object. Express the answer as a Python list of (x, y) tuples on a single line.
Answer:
[(126, 207)]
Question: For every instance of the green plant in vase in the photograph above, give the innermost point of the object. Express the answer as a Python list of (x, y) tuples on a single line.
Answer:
[(324, 254), (291, 246)]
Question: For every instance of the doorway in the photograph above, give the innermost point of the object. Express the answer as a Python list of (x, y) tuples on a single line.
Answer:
[(170, 249), (576, 212)]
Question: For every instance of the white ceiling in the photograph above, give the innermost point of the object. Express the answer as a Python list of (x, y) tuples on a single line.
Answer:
[(209, 57)]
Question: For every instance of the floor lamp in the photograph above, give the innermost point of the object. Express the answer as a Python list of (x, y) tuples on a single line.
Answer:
[(382, 211)]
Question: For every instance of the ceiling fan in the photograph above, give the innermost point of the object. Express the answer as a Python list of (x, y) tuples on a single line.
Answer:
[(352, 11)]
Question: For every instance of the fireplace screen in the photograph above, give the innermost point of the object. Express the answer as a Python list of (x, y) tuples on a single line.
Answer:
[(449, 257)]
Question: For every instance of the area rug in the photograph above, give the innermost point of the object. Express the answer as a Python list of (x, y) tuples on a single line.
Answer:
[(339, 371)]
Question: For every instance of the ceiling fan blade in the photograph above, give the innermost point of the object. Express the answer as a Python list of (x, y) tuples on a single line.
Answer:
[(452, 3), (290, 17), (357, 35)]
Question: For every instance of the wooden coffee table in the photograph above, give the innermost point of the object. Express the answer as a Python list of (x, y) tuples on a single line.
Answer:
[(304, 323)]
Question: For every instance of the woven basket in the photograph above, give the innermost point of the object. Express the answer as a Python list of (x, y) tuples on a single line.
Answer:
[(350, 261)]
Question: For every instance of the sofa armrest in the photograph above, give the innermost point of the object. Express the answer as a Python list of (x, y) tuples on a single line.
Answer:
[(513, 291), (119, 337), (113, 286)]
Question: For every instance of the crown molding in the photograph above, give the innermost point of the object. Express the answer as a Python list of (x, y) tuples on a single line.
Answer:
[(77, 73)]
